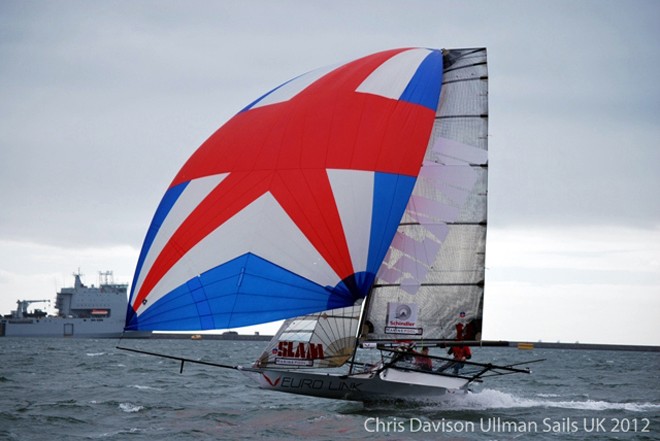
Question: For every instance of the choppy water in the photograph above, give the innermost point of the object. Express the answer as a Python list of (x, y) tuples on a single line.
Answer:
[(59, 389)]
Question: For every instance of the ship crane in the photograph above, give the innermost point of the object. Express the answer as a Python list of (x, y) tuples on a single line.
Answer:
[(22, 307)]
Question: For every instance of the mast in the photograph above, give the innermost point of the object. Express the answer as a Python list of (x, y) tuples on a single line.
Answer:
[(361, 322)]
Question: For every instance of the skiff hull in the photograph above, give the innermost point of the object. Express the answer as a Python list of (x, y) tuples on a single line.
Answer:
[(388, 385)]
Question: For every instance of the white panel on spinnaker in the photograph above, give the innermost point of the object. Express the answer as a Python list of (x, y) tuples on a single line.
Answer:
[(262, 228), (354, 192), (188, 200), (393, 76)]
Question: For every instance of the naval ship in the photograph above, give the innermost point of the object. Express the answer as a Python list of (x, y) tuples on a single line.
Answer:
[(82, 311)]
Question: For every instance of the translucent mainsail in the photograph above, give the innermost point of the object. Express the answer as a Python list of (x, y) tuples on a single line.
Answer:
[(320, 340), (432, 278)]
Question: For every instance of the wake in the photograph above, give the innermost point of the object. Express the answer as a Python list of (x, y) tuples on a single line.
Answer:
[(494, 399)]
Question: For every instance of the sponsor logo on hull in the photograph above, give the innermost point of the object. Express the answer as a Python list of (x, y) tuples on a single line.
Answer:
[(316, 384)]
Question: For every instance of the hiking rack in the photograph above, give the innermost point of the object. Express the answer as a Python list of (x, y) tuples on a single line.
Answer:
[(402, 353)]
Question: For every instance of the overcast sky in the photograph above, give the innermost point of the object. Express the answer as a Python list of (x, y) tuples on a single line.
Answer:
[(101, 103)]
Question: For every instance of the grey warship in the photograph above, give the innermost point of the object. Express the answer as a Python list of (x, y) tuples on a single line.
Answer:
[(82, 311)]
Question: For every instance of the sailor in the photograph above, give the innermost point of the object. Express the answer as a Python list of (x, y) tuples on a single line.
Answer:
[(422, 360), (460, 353)]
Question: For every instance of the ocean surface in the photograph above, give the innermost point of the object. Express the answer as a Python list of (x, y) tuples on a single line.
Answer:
[(70, 389)]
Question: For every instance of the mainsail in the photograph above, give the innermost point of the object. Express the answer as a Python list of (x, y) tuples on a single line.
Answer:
[(432, 278)]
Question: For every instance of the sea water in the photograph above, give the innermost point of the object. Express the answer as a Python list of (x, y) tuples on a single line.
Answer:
[(75, 389)]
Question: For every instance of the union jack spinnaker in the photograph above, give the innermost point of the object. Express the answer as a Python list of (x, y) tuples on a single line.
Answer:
[(291, 206)]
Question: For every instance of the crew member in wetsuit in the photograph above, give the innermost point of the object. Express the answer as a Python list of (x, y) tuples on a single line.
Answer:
[(460, 353), (422, 360)]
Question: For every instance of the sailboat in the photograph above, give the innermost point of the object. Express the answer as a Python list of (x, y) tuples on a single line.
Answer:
[(350, 202)]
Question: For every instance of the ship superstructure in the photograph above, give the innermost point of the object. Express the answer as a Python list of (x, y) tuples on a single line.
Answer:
[(82, 311)]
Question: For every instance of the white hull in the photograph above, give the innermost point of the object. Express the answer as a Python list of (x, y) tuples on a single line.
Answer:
[(390, 384)]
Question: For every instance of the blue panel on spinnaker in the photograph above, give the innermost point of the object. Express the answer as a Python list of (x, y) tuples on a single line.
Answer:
[(166, 204), (424, 87), (259, 292), (354, 287), (391, 195)]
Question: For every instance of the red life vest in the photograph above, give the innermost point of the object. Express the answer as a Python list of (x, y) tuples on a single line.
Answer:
[(461, 351)]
